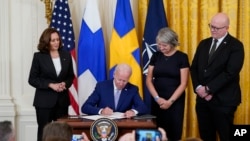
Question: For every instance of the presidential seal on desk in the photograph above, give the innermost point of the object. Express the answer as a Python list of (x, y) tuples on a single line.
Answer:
[(103, 129)]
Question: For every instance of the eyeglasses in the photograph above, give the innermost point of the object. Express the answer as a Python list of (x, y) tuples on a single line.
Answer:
[(215, 28)]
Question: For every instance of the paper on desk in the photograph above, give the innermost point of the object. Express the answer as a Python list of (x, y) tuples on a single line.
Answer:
[(115, 115)]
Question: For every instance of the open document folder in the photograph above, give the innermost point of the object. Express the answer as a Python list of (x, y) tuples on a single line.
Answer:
[(115, 115)]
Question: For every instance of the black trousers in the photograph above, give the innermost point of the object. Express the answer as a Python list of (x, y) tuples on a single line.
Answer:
[(47, 115), (171, 120), (214, 119)]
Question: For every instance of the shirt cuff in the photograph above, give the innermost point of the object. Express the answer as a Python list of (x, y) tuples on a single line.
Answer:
[(198, 87), (136, 112), (100, 111)]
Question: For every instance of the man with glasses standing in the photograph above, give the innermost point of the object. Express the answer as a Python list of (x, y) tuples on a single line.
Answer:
[(215, 73), (116, 95)]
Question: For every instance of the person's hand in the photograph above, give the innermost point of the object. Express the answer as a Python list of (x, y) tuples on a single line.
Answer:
[(165, 104), (129, 114), (163, 134), (62, 85), (201, 92), (208, 97), (160, 100), (84, 137), (131, 136), (128, 136), (56, 87), (107, 111)]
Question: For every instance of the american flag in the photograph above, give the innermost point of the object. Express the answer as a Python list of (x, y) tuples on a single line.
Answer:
[(61, 20)]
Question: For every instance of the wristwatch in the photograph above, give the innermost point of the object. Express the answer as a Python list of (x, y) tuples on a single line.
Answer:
[(156, 98)]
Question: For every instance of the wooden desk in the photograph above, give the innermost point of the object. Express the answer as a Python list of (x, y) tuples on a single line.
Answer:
[(80, 125)]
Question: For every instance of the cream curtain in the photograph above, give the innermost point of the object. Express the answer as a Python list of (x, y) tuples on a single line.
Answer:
[(190, 18)]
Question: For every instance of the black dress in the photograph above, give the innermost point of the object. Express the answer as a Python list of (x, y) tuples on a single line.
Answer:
[(166, 78)]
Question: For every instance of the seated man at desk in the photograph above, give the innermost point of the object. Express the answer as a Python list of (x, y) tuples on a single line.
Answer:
[(116, 95)]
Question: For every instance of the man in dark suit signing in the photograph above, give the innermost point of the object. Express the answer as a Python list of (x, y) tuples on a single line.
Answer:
[(103, 100), (215, 74)]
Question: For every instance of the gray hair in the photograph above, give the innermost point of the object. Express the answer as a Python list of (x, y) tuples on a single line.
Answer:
[(123, 68), (6, 130), (168, 36)]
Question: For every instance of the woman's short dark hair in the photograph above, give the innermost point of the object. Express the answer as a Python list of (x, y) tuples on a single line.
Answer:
[(44, 41)]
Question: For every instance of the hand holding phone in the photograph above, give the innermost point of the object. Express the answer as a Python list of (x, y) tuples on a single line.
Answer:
[(80, 137), (148, 135), (77, 137)]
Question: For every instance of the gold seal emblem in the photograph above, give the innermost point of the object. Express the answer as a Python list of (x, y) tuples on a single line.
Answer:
[(103, 129)]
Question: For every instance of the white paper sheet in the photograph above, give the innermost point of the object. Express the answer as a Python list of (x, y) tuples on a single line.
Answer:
[(115, 115)]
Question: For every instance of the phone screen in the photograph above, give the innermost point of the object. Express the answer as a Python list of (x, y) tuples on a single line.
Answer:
[(76, 137), (147, 135)]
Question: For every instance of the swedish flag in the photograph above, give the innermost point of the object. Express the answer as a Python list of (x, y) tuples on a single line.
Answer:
[(124, 47)]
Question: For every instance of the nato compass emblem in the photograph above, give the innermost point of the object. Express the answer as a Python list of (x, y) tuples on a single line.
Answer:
[(103, 129)]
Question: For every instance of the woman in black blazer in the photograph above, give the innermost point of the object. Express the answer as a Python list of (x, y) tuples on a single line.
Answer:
[(51, 74)]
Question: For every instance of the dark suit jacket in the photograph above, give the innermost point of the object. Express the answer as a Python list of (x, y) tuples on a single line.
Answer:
[(43, 72), (103, 96), (221, 73)]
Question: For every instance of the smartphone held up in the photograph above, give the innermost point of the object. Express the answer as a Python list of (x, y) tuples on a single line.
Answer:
[(148, 135)]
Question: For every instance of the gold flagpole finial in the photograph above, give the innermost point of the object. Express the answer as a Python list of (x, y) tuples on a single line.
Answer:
[(48, 10)]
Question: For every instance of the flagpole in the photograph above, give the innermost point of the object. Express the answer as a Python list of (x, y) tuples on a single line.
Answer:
[(48, 10)]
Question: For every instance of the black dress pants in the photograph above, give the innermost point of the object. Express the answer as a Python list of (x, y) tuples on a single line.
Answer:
[(214, 119), (47, 115)]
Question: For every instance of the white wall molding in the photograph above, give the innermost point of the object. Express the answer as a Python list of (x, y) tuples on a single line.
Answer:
[(7, 107), (27, 126)]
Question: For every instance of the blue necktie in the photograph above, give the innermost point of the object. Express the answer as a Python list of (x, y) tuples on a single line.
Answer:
[(117, 96)]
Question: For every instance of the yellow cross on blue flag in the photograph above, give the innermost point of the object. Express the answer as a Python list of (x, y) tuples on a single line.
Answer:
[(124, 46)]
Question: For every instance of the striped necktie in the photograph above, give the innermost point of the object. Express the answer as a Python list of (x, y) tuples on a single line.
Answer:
[(213, 49)]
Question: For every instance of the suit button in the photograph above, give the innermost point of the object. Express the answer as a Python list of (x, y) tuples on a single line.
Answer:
[(205, 70)]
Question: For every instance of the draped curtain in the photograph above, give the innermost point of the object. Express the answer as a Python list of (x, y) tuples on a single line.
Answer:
[(190, 18)]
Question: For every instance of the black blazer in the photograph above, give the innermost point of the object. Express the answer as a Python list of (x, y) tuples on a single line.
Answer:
[(43, 72), (221, 73)]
